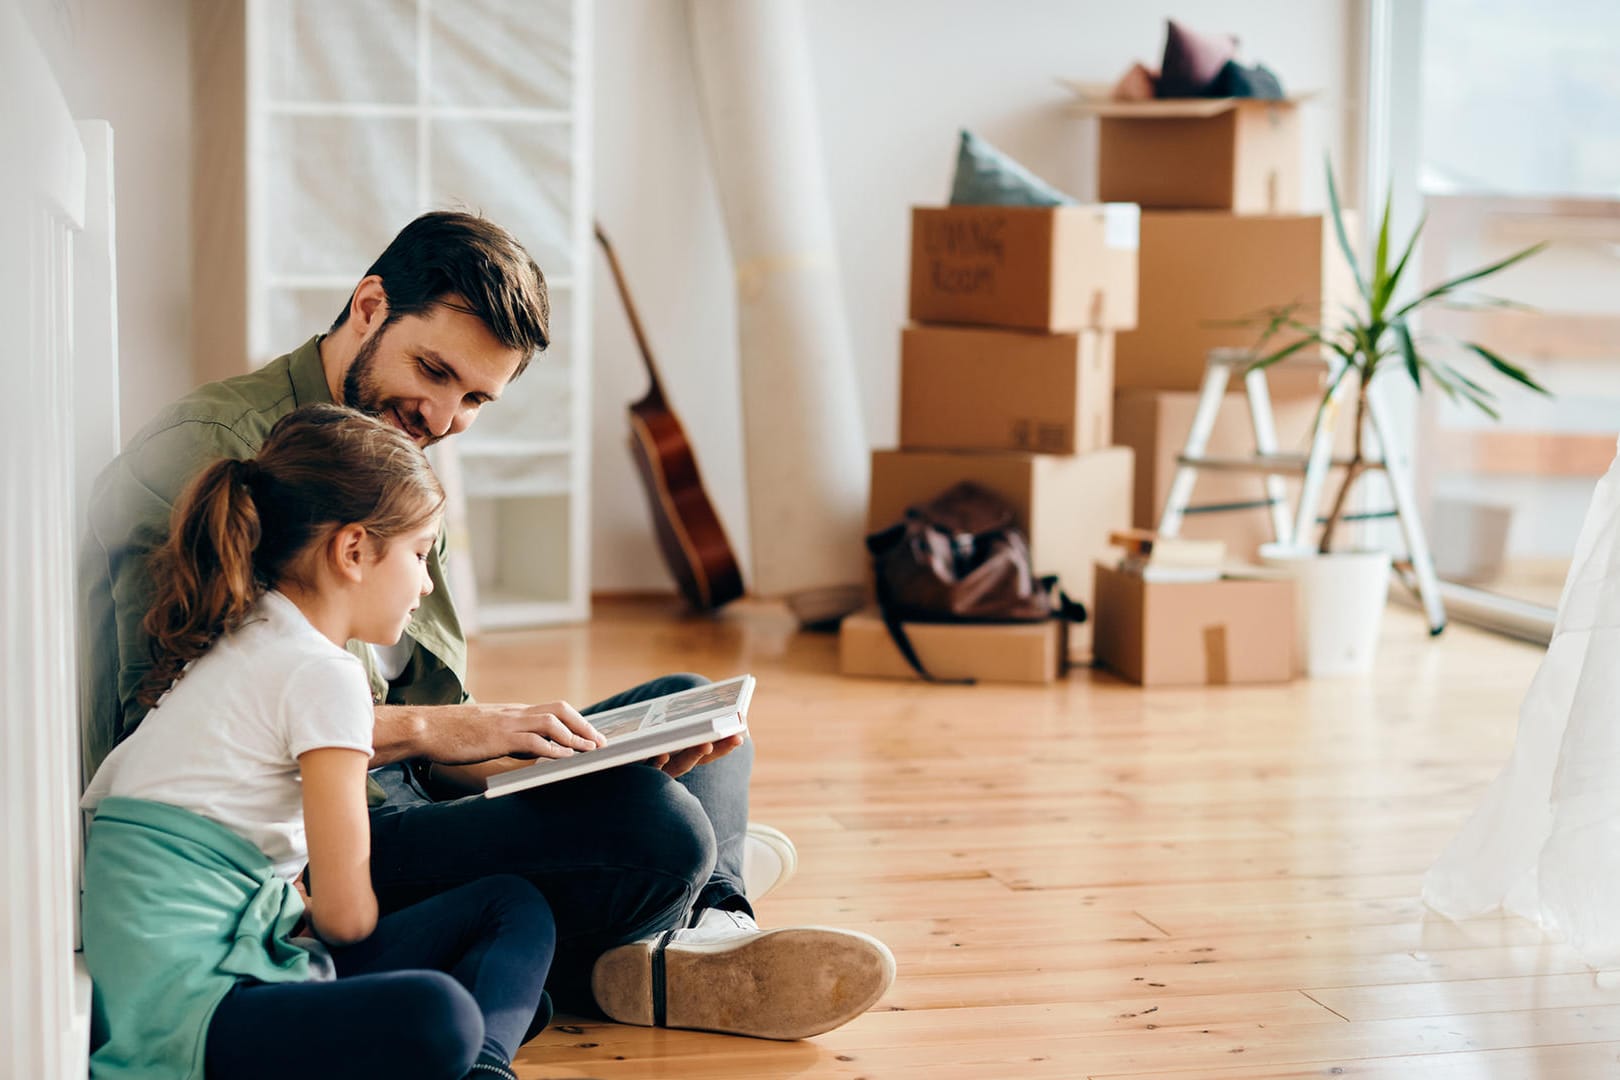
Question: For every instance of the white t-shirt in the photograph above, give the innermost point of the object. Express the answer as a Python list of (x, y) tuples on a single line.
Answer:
[(224, 741)]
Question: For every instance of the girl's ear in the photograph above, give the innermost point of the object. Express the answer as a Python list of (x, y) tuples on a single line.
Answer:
[(347, 549)]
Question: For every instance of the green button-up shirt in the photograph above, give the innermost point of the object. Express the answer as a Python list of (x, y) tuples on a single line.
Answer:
[(130, 508)]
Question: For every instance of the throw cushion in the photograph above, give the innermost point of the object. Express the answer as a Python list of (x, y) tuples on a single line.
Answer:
[(1192, 61), (987, 177), (1238, 81)]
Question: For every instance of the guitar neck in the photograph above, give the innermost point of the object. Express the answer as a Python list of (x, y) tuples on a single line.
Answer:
[(630, 310)]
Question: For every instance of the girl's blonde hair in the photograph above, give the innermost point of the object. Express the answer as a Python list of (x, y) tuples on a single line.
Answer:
[(241, 526)]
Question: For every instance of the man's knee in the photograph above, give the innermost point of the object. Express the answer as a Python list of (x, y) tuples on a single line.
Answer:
[(675, 836), (681, 680)]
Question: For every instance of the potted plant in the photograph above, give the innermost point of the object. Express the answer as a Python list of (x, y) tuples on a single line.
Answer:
[(1342, 592)]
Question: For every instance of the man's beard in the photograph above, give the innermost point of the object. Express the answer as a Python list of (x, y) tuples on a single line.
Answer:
[(361, 391)]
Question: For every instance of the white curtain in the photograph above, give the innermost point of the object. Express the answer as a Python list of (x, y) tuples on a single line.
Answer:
[(1545, 843), (806, 451)]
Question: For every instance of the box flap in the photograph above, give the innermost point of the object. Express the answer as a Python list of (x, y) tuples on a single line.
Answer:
[(1095, 100)]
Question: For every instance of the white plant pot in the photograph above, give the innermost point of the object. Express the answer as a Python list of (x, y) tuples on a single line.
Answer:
[(1339, 606)]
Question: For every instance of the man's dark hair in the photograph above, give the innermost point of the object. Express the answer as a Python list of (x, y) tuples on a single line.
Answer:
[(462, 261)]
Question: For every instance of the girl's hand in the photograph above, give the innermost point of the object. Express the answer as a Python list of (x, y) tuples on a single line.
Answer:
[(302, 929)]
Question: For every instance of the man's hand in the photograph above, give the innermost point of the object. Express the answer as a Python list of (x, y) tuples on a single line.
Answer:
[(690, 758), (467, 734)]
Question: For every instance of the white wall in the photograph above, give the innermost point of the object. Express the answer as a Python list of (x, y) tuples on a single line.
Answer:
[(896, 80), (128, 62)]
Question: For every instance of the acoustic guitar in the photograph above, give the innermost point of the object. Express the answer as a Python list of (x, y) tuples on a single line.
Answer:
[(689, 531)]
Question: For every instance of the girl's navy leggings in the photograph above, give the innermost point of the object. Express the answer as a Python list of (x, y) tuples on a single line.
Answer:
[(435, 986)]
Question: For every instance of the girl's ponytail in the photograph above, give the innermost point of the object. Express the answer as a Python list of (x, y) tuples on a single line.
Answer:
[(244, 527), (204, 576)]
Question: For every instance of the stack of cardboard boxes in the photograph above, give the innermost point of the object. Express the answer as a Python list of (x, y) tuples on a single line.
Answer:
[(1007, 380), (1222, 239)]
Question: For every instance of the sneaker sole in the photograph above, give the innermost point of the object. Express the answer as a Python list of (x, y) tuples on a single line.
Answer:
[(779, 984)]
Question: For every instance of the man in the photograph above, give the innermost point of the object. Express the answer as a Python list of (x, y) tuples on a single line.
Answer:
[(642, 865)]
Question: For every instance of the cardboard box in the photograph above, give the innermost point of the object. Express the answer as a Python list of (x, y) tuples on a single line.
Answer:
[(1155, 423), (963, 388), (1029, 267), (1199, 154), (1067, 505), (1237, 630), (1199, 269), (987, 652)]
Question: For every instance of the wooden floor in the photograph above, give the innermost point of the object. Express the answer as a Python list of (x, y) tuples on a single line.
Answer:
[(1096, 881)]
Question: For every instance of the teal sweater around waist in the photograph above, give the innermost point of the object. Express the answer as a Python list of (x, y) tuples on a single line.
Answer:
[(177, 909)]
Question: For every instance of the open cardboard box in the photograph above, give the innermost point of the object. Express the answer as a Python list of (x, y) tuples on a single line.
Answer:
[(1236, 154), (1055, 268), (1235, 630), (967, 388)]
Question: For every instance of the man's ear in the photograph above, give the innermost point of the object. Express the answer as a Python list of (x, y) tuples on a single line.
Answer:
[(369, 305), (347, 550)]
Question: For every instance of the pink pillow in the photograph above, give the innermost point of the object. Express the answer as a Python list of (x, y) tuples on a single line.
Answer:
[(1192, 61)]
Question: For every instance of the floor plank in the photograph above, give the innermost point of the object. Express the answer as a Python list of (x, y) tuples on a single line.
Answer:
[(1091, 879)]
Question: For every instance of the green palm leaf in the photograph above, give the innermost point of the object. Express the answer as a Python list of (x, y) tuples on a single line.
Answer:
[(1512, 371), (1485, 271), (1392, 282), (1414, 363), (1344, 237)]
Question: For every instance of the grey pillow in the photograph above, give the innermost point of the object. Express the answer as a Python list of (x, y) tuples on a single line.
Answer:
[(987, 177)]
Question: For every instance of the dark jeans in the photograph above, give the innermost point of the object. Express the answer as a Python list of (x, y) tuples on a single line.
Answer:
[(619, 855), (433, 987)]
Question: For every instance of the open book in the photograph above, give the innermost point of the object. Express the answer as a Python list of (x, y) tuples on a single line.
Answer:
[(647, 729)]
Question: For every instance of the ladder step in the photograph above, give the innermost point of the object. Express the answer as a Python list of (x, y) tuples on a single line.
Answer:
[(1242, 358), (1366, 515), (1274, 464), (1226, 508)]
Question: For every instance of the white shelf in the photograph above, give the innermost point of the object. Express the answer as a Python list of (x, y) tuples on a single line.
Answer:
[(516, 448), (502, 611), (346, 282), (520, 489), (411, 111), (474, 104)]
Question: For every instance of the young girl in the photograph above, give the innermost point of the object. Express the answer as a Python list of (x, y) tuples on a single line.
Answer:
[(252, 762)]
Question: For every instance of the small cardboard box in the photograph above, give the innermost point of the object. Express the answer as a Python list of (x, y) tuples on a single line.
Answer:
[(1155, 423), (969, 389), (1067, 505), (1236, 630), (987, 652), (1028, 267), (1240, 155), (1200, 269)]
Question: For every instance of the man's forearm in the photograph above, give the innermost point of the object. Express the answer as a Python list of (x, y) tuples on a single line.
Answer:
[(398, 733)]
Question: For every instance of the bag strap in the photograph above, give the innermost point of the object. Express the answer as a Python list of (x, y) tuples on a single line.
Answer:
[(897, 634), (1070, 610)]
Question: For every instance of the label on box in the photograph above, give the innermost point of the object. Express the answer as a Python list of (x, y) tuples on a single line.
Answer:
[(1045, 436), (965, 257), (1122, 226)]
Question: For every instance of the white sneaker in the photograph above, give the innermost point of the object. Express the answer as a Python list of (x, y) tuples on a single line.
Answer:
[(769, 860), (725, 974)]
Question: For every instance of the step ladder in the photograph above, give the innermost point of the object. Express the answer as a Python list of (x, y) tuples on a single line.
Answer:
[(1416, 571)]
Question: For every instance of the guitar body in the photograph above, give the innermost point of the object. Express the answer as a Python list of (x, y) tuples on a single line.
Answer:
[(689, 531)]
